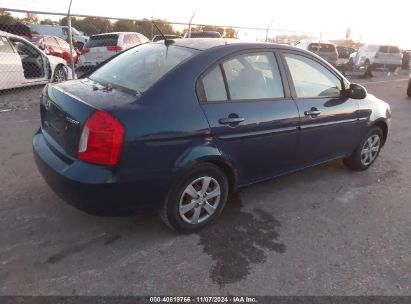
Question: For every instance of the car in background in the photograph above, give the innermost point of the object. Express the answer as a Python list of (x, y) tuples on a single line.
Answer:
[(56, 47), (373, 56), (326, 50), (101, 47), (24, 64), (203, 34), (344, 52), (168, 36), (60, 31), (178, 127), (18, 29)]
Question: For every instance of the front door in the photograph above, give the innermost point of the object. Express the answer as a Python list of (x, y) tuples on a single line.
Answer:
[(254, 123), (328, 120)]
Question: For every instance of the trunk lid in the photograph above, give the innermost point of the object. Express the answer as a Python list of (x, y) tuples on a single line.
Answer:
[(66, 107)]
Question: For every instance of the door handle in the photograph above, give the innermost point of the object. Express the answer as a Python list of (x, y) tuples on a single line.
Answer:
[(312, 112), (230, 120)]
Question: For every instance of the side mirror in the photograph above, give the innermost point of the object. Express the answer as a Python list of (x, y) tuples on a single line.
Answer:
[(357, 91)]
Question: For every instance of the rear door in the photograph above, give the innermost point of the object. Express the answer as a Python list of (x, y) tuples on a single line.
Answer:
[(11, 69), (389, 55), (328, 121), (253, 119)]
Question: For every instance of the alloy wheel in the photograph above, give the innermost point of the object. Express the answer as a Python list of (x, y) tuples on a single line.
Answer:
[(370, 149), (199, 200)]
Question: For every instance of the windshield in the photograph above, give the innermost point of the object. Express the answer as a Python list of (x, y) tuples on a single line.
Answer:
[(139, 68)]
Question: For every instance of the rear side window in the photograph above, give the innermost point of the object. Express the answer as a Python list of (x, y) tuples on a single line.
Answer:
[(389, 49), (322, 47), (312, 79), (139, 68), (213, 84), (101, 41), (5, 46), (253, 76)]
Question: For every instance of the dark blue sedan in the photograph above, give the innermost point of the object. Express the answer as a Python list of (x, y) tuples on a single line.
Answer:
[(178, 126)]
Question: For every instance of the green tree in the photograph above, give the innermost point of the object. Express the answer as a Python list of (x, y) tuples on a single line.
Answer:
[(31, 18), (125, 26), (7, 18)]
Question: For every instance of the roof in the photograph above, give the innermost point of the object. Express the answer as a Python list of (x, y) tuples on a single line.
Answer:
[(113, 33), (203, 44)]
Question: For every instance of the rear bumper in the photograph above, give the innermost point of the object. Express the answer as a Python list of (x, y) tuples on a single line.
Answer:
[(95, 189)]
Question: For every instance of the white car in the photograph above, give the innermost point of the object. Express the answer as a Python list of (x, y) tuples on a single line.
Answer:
[(103, 46), (24, 64), (60, 31), (376, 56)]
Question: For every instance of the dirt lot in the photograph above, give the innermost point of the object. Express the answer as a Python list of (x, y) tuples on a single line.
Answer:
[(323, 231)]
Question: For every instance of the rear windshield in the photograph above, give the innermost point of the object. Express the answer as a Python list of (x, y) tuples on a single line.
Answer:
[(321, 47), (139, 68), (389, 49), (102, 40)]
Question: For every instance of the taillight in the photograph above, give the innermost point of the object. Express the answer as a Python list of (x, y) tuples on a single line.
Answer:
[(85, 50), (101, 140), (114, 48), (377, 55)]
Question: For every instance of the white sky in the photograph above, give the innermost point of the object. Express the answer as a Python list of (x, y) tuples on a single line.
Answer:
[(373, 21)]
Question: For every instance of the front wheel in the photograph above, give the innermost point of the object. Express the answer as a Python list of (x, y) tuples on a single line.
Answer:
[(196, 200), (409, 89), (367, 151)]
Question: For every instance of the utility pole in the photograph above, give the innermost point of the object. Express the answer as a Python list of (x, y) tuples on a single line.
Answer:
[(268, 28), (70, 41)]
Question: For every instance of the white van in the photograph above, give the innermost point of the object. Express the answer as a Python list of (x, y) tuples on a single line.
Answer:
[(58, 31)]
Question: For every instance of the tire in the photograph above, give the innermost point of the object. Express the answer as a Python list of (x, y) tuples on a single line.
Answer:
[(409, 89), (361, 159), (183, 219), (60, 74)]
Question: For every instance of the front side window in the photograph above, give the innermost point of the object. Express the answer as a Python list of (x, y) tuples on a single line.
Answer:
[(253, 76), (312, 79)]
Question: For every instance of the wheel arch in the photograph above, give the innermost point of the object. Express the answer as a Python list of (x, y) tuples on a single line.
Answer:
[(382, 124), (208, 154)]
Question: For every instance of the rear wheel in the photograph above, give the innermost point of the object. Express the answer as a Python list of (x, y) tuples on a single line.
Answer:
[(367, 151), (196, 200), (59, 74)]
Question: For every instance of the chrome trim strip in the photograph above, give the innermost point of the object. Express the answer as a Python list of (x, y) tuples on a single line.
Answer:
[(328, 123)]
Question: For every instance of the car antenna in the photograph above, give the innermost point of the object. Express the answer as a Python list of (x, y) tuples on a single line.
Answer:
[(167, 42)]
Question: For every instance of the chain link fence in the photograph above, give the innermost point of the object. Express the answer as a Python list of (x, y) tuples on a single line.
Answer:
[(36, 47)]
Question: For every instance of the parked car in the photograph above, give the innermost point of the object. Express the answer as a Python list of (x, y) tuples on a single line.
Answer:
[(60, 31), (344, 52), (56, 47), (168, 36), (177, 127), (371, 56), (325, 50), (24, 64), (203, 34), (103, 46)]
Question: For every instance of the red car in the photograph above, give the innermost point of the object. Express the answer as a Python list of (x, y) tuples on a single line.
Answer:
[(55, 46)]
